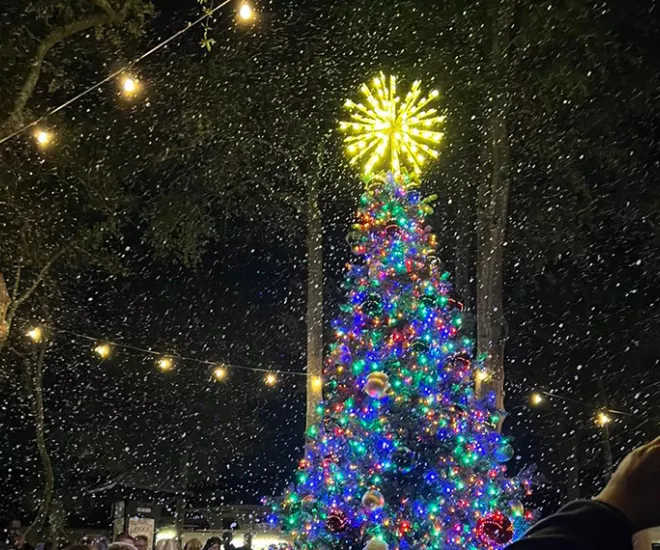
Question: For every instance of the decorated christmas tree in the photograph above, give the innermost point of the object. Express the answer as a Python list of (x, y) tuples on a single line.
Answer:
[(406, 455)]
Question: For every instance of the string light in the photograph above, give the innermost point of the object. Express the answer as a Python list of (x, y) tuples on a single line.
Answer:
[(129, 86), (160, 45), (35, 334), (219, 373), (245, 12), (165, 364), (103, 350), (537, 399), (603, 419), (270, 379), (43, 138)]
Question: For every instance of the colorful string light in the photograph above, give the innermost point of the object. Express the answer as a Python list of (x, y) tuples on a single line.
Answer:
[(405, 454)]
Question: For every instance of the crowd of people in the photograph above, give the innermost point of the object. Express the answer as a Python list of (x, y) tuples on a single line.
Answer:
[(14, 540), (629, 503)]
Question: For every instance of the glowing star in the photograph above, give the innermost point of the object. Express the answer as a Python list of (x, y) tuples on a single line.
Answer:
[(387, 133)]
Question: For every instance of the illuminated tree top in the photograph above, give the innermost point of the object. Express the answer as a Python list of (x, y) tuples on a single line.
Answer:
[(388, 134)]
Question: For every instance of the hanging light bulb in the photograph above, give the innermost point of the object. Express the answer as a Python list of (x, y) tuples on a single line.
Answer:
[(270, 379), (43, 138), (36, 334), (130, 86), (317, 383), (219, 373), (103, 350), (246, 12), (165, 364), (603, 419), (537, 399)]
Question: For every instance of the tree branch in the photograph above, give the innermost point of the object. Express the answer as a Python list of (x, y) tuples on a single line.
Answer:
[(37, 281), (15, 118)]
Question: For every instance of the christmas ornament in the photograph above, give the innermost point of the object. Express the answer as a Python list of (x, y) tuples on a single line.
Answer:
[(495, 528), (516, 508), (337, 521), (373, 305), (404, 459), (392, 228), (504, 453), (419, 346), (377, 385), (373, 500), (375, 544)]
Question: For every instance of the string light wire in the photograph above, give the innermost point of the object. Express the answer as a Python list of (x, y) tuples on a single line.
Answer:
[(175, 356), (276, 371), (114, 74)]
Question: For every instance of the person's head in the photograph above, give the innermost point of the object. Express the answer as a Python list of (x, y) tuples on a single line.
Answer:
[(213, 544), (125, 537), (77, 546), (141, 542), (193, 544), (121, 545)]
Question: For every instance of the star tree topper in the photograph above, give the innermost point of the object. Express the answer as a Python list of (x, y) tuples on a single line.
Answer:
[(387, 133)]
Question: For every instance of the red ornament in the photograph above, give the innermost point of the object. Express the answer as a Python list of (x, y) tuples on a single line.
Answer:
[(337, 521), (495, 528)]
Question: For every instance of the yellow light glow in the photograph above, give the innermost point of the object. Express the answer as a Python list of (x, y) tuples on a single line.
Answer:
[(317, 382), (129, 86), (603, 419), (482, 375), (44, 138), (103, 351), (165, 363), (245, 12), (271, 379), (390, 134), (220, 373), (537, 399), (35, 334)]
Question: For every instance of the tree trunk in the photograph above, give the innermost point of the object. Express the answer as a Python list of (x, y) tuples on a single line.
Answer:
[(463, 256), (492, 205), (314, 300), (5, 300), (35, 379), (181, 497)]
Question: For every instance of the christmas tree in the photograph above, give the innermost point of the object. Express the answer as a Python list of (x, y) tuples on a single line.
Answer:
[(406, 456)]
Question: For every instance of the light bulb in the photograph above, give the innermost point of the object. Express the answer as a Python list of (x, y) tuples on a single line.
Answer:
[(317, 382), (103, 351), (44, 138), (245, 12), (35, 334), (537, 399), (220, 373), (603, 418), (165, 363), (271, 379)]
